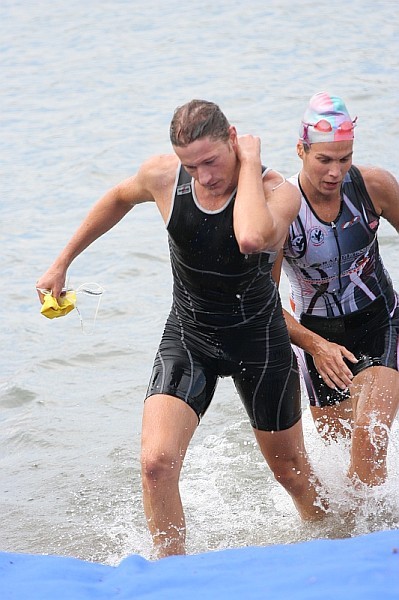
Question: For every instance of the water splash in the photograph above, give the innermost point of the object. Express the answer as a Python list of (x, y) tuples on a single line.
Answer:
[(232, 500), (355, 509)]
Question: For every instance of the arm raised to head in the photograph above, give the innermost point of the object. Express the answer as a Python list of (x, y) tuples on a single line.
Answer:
[(264, 206)]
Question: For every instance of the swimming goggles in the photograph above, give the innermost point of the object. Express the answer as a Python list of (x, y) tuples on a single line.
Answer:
[(325, 126), (343, 131)]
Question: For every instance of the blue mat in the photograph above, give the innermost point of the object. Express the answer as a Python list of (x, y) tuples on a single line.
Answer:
[(360, 568)]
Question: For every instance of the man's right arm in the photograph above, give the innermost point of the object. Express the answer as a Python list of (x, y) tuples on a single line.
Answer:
[(106, 213), (328, 357)]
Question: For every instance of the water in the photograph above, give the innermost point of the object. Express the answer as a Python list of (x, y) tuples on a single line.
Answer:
[(87, 90)]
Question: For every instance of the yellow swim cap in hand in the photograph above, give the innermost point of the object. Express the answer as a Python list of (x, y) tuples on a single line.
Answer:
[(51, 308)]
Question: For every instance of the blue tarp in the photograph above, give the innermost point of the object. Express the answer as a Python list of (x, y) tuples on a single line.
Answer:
[(360, 568)]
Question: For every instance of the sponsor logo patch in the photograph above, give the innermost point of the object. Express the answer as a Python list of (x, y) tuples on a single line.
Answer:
[(317, 236), (185, 188)]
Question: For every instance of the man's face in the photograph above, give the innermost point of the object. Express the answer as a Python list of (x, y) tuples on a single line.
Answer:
[(212, 163), (325, 166)]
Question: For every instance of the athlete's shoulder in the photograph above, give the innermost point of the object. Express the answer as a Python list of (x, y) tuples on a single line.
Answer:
[(380, 184), (294, 179), (375, 176), (158, 173), (273, 180), (159, 166), (271, 177)]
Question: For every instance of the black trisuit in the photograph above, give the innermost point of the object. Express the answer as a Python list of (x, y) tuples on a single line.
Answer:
[(226, 318)]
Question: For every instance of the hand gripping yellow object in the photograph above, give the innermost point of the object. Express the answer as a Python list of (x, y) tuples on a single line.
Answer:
[(51, 308)]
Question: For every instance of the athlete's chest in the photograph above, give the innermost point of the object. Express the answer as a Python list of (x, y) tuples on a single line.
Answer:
[(313, 241)]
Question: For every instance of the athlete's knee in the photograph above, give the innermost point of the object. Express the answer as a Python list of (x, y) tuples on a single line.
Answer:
[(290, 473), (370, 436), (160, 467)]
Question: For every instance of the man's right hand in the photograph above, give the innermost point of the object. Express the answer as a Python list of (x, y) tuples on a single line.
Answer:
[(53, 280)]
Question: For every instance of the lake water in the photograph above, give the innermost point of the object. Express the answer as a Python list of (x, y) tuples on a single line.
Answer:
[(87, 93)]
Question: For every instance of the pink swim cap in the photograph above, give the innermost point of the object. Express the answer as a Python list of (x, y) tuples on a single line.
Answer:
[(326, 119)]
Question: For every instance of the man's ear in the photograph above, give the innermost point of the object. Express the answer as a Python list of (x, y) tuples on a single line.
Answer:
[(233, 136), (299, 149)]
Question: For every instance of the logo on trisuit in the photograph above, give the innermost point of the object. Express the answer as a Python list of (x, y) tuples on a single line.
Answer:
[(185, 188), (317, 236)]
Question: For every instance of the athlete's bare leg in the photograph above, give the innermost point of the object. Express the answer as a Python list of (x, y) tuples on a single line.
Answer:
[(168, 426), (286, 456), (375, 397), (333, 422)]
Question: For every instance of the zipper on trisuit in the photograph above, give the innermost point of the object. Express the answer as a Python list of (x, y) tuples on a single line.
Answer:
[(334, 228)]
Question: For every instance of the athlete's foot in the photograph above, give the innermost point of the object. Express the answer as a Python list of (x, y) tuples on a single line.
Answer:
[(164, 545), (314, 513)]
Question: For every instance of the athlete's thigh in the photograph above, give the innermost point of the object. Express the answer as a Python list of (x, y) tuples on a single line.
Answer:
[(271, 393), (167, 428), (377, 341), (287, 445), (375, 395), (181, 371)]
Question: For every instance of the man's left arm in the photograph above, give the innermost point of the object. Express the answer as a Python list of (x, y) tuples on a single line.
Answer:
[(264, 207)]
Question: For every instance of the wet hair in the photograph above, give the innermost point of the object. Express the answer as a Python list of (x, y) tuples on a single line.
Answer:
[(198, 119)]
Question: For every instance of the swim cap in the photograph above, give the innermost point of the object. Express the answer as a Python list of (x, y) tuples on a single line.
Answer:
[(326, 119)]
